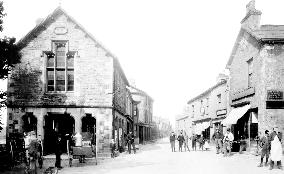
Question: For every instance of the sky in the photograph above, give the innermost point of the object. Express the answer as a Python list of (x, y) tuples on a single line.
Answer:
[(173, 49)]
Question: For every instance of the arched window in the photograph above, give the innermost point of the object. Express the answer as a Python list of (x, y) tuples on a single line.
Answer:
[(29, 122)]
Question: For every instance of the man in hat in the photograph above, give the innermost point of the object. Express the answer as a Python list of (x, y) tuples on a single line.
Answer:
[(130, 139), (172, 141), (217, 137), (264, 145), (228, 140), (276, 148), (180, 141), (58, 152)]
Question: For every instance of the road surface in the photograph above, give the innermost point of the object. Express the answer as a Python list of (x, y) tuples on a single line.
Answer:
[(158, 159)]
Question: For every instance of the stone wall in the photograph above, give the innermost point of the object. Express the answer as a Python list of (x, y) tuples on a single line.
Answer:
[(271, 69), (93, 70)]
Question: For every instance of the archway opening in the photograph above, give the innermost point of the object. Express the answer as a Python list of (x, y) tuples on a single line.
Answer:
[(57, 124), (29, 122), (89, 126)]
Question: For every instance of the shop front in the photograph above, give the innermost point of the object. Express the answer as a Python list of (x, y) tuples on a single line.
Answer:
[(244, 125), (202, 127)]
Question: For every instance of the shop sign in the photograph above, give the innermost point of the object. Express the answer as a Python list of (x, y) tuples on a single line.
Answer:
[(274, 95), (221, 112)]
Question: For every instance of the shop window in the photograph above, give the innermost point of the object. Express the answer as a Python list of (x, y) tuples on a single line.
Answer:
[(60, 67)]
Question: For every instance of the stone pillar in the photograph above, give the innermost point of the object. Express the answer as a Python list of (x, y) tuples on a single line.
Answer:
[(104, 131), (78, 123)]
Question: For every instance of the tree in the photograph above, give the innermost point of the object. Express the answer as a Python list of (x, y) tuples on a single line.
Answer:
[(9, 56)]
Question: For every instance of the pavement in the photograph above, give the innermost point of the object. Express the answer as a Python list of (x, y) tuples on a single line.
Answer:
[(157, 158)]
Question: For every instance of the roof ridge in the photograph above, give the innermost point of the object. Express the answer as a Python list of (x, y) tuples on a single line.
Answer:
[(207, 91)]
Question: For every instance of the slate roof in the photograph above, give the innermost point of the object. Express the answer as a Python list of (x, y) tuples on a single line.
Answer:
[(207, 91), (269, 32), (265, 33)]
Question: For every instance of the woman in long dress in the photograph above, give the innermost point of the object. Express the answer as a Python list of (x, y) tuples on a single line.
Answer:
[(276, 149)]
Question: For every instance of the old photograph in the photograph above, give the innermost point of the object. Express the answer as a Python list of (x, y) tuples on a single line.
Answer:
[(144, 87)]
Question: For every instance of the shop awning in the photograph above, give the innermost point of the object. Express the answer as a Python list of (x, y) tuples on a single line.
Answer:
[(235, 114), (199, 127), (205, 125), (253, 118)]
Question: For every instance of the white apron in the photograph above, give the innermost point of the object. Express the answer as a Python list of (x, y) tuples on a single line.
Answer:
[(276, 149)]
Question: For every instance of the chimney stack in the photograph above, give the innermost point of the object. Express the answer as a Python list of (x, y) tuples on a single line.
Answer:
[(252, 19)]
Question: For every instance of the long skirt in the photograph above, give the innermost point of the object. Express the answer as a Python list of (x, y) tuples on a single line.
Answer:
[(276, 149)]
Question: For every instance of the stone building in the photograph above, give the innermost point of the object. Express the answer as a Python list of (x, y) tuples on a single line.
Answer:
[(67, 82), (256, 68), (207, 110), (143, 126), (183, 123)]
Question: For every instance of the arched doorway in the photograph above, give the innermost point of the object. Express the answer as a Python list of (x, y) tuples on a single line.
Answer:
[(29, 122), (89, 125), (56, 124)]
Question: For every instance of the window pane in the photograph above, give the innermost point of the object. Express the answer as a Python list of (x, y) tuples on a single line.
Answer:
[(50, 61), (70, 62), (60, 80), (60, 55), (250, 80), (70, 80), (50, 80)]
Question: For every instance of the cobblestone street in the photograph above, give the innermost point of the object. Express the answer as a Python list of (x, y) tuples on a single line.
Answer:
[(158, 158)]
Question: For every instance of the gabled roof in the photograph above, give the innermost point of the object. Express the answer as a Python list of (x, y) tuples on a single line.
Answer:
[(49, 20), (264, 33), (135, 90), (207, 91)]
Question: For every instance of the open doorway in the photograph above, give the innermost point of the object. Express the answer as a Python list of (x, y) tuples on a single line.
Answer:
[(57, 124), (89, 125)]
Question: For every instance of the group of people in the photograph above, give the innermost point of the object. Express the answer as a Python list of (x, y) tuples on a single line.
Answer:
[(223, 142), (183, 141), (270, 144)]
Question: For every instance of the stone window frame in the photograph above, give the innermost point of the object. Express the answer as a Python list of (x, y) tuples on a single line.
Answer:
[(207, 106), (219, 98), (192, 106), (66, 68), (250, 72)]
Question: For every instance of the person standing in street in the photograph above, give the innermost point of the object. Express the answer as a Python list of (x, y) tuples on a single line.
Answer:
[(264, 145), (180, 141), (173, 141), (58, 152), (130, 139), (276, 148), (228, 140), (186, 142), (201, 141), (217, 137), (194, 139)]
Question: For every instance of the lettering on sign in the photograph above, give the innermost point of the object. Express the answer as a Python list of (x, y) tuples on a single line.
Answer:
[(221, 112), (60, 30), (274, 95)]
